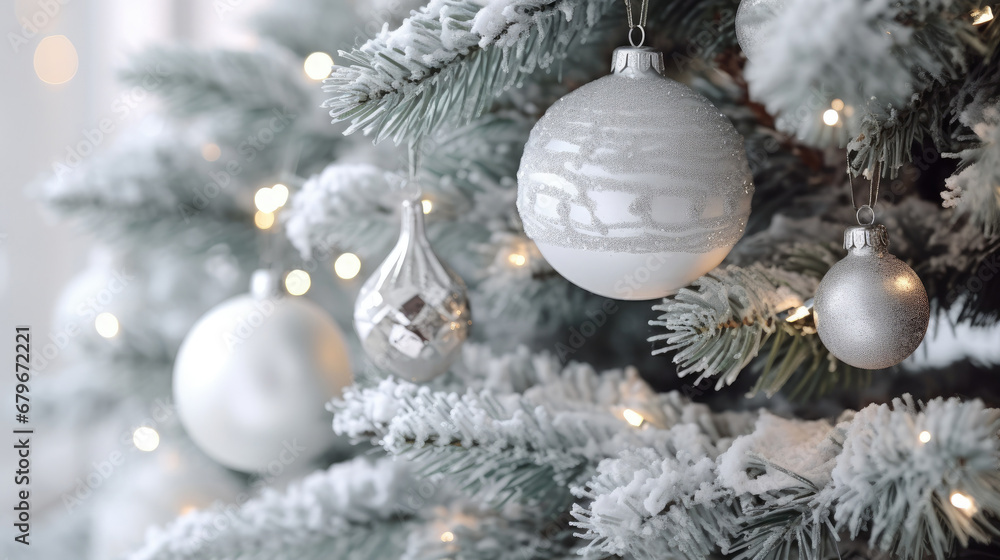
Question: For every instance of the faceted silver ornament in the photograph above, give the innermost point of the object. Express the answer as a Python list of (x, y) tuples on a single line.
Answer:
[(634, 185), (412, 315), (871, 309), (752, 19)]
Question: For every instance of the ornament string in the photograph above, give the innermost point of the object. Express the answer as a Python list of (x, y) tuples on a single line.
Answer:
[(641, 26), (413, 153), (867, 210)]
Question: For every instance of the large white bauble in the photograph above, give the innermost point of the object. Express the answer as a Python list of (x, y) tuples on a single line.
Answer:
[(752, 20), (252, 378), (634, 185)]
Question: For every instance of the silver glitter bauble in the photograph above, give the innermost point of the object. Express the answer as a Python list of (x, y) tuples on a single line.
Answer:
[(752, 19), (254, 375), (871, 309), (412, 315), (634, 185)]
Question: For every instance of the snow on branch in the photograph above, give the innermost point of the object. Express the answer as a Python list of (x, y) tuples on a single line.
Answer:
[(447, 62), (354, 510)]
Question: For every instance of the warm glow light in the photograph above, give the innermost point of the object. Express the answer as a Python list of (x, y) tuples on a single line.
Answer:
[(517, 259), (427, 206), (146, 439), (903, 283), (924, 436), (961, 501), (347, 266), (800, 313), (211, 152), (297, 282), (632, 417), (106, 325), (263, 220), (266, 200), (318, 65), (56, 60), (980, 17), (447, 536), (838, 105), (279, 193), (831, 117), (188, 509)]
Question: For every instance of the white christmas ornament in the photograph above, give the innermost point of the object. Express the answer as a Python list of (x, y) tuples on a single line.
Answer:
[(634, 185), (752, 20), (412, 315), (253, 376)]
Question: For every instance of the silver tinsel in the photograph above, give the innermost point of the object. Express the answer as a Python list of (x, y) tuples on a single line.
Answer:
[(752, 19), (412, 314), (634, 185), (871, 309)]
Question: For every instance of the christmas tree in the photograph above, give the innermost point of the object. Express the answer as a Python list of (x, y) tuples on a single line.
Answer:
[(681, 406)]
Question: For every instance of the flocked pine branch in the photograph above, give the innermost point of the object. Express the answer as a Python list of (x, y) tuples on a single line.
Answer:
[(532, 445), (791, 488), (194, 81), (448, 61), (354, 510), (722, 323), (975, 189)]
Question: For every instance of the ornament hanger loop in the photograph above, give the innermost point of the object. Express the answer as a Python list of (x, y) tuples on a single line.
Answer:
[(643, 14), (869, 213), (872, 195), (642, 37)]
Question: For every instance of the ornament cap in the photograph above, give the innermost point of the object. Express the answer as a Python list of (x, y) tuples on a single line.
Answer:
[(865, 239), (637, 62)]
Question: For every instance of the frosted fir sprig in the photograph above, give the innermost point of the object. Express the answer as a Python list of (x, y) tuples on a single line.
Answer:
[(356, 510), (724, 321), (860, 52), (449, 60)]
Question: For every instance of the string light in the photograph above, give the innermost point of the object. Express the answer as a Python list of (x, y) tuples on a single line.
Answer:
[(837, 105), (982, 16), (961, 501), (447, 536), (106, 325), (280, 194), (269, 199), (517, 259), (633, 417), (211, 152), (297, 282), (318, 65), (924, 436), (145, 439), (347, 266), (427, 206), (800, 313), (831, 117), (56, 61), (263, 220)]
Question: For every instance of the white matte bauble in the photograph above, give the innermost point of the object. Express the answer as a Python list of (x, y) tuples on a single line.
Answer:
[(871, 309), (254, 374), (634, 185), (752, 20)]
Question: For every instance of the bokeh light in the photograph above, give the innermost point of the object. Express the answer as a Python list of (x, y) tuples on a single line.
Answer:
[(106, 325), (347, 266), (56, 61), (318, 65), (146, 439), (297, 282)]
